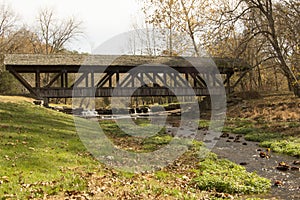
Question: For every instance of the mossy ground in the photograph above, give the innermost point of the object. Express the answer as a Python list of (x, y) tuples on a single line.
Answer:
[(280, 137)]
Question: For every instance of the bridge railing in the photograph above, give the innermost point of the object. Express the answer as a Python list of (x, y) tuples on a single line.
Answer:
[(128, 92)]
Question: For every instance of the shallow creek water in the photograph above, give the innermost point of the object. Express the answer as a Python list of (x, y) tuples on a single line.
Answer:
[(237, 149), (247, 154), (265, 167)]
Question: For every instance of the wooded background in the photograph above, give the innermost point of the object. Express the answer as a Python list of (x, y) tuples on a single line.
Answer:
[(264, 33)]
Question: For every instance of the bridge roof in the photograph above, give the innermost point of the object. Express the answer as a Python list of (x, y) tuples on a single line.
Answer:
[(77, 60)]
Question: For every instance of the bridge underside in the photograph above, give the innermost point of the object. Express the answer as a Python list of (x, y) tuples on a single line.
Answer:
[(56, 78)]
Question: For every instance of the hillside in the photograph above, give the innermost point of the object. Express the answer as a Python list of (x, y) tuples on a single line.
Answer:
[(42, 157)]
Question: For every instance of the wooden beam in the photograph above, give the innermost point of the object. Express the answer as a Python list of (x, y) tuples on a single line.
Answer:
[(103, 81), (92, 78), (110, 81), (151, 78), (87, 80), (23, 82), (55, 78), (162, 80), (184, 82), (79, 80), (62, 80), (37, 79), (118, 78), (125, 92), (66, 80), (126, 79), (198, 81)]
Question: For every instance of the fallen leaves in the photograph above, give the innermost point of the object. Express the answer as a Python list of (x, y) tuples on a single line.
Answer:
[(4, 179)]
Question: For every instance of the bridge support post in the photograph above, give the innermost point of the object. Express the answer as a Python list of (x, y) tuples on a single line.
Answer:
[(46, 102)]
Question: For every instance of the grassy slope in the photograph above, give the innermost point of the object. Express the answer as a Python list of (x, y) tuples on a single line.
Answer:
[(38, 147), (41, 155)]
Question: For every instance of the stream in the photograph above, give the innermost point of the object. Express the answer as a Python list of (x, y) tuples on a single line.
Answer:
[(286, 184)]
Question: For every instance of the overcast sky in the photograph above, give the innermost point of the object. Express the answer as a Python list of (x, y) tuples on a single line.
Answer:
[(102, 19)]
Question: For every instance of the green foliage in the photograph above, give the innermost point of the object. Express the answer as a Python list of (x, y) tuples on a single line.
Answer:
[(8, 84), (277, 141), (240, 126), (162, 175), (243, 130), (262, 136), (204, 124), (224, 176), (289, 146)]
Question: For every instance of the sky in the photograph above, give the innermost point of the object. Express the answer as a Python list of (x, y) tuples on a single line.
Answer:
[(102, 19)]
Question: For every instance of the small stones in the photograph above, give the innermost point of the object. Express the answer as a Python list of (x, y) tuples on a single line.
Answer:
[(243, 163), (282, 166), (224, 196), (264, 155), (296, 162), (245, 144), (231, 138), (295, 168), (278, 183), (224, 135)]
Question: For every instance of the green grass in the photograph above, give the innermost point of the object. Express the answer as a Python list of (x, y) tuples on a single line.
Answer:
[(268, 137), (139, 144), (259, 136), (204, 124), (223, 176), (289, 146), (41, 154)]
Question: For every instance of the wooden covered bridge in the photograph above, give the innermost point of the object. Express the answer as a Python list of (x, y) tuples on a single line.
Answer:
[(68, 76)]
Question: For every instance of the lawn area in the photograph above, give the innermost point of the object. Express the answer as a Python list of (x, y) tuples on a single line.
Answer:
[(42, 156)]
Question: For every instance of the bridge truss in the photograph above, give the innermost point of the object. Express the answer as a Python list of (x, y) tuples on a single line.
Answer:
[(72, 76)]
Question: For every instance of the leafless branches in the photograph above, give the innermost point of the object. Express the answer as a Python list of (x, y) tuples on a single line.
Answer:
[(56, 33)]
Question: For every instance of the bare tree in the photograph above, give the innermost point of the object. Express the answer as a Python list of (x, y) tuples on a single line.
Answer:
[(53, 33), (260, 20), (183, 21), (8, 20)]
